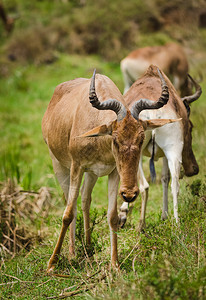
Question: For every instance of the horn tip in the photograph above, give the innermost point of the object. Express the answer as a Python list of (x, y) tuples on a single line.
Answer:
[(94, 73)]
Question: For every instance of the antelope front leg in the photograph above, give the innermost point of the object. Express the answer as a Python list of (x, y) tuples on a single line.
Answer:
[(86, 190), (165, 183), (72, 229), (175, 170), (67, 219), (174, 159), (69, 214), (144, 190), (144, 196), (112, 215)]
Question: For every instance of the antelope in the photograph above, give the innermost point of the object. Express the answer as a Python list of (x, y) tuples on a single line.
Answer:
[(96, 138), (170, 58), (173, 142)]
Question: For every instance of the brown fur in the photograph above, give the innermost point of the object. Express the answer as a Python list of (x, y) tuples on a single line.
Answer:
[(148, 86), (68, 116), (170, 58), (173, 143)]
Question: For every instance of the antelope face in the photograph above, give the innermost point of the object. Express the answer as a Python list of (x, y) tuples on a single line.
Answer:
[(128, 136), (127, 132)]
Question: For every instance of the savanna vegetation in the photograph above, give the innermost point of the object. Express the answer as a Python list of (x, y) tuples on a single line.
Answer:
[(55, 41)]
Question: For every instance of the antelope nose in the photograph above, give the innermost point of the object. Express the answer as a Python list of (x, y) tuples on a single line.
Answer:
[(129, 196)]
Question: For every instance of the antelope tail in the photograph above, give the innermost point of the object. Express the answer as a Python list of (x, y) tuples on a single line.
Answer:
[(151, 162)]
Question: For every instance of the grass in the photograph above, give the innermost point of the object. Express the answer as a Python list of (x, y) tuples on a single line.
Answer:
[(88, 27), (165, 262), (24, 98)]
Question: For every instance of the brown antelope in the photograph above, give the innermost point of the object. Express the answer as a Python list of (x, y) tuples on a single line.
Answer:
[(170, 58), (173, 142), (111, 146)]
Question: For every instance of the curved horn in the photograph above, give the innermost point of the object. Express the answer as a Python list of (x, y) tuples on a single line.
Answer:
[(197, 93), (143, 104), (111, 104)]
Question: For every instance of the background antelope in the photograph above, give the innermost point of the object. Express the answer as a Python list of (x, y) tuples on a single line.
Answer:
[(170, 58)]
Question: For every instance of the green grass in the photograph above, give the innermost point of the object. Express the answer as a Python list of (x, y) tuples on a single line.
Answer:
[(24, 98), (165, 262)]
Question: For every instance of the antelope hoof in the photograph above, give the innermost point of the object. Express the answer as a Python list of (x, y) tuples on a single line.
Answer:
[(51, 265), (122, 219), (50, 269), (115, 266), (164, 216), (141, 226), (71, 253)]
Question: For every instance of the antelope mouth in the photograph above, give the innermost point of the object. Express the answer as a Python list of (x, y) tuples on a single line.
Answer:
[(129, 198)]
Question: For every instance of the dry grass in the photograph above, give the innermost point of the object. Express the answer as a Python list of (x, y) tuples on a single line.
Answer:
[(18, 210)]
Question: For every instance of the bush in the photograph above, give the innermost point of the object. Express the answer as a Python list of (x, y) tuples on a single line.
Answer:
[(110, 29)]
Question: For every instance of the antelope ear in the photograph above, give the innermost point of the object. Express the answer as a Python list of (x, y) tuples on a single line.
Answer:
[(98, 131), (152, 124)]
